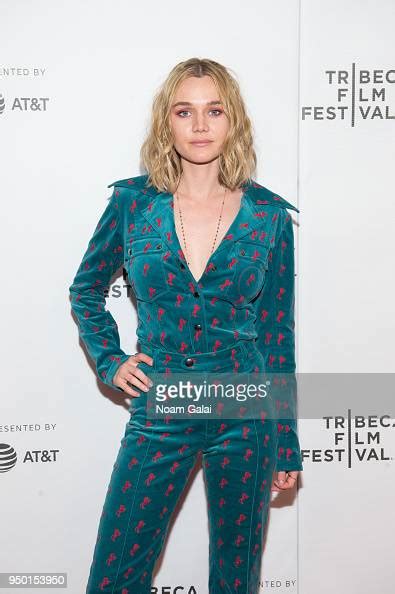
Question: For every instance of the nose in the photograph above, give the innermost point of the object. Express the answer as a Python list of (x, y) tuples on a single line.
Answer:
[(200, 122)]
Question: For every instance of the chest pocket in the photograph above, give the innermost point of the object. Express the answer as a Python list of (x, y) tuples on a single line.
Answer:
[(146, 268), (251, 264)]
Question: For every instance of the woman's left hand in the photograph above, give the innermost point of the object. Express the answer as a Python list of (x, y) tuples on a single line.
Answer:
[(288, 477)]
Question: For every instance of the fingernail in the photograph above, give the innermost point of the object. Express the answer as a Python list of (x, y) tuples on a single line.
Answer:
[(151, 383)]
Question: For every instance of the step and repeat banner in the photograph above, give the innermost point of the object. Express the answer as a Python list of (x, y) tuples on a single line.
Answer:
[(76, 87)]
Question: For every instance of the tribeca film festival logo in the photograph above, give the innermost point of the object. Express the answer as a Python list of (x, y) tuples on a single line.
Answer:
[(357, 94), (355, 439)]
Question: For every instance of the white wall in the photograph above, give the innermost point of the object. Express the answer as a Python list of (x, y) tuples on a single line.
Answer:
[(98, 66)]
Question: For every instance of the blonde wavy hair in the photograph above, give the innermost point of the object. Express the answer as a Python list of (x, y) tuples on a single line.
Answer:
[(237, 161)]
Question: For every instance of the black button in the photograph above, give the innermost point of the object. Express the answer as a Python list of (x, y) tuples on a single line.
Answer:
[(158, 247), (188, 362), (196, 294), (198, 326), (213, 267), (129, 251), (242, 252), (182, 266)]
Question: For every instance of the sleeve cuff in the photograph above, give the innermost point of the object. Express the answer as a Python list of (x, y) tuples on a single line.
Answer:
[(112, 369)]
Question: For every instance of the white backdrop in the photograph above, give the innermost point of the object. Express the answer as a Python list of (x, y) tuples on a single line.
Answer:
[(76, 85)]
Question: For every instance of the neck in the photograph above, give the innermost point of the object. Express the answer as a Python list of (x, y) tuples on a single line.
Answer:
[(200, 182)]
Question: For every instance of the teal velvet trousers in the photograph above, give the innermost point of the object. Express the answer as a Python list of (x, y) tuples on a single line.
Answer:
[(154, 462)]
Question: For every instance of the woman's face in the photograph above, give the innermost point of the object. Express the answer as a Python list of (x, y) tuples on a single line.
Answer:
[(197, 114)]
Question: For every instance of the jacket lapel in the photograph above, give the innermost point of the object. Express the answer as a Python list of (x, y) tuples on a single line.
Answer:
[(252, 215)]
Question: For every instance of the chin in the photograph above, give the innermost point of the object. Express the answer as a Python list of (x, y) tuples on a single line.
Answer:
[(202, 161), (200, 155)]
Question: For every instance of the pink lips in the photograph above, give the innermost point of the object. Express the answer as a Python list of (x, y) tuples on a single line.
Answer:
[(201, 143)]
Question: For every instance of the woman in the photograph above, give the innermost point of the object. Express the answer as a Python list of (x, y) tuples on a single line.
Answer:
[(209, 254)]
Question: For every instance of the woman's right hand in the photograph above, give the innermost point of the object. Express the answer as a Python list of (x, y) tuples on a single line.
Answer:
[(129, 372)]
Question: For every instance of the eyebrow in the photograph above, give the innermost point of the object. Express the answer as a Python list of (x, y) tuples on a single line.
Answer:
[(190, 104)]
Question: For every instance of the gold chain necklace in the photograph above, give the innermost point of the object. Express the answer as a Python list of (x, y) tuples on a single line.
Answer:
[(182, 225)]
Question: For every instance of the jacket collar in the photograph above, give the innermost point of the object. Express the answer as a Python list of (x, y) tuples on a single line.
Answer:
[(252, 214)]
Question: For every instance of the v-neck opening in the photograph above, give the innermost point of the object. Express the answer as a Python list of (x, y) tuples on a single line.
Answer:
[(228, 232)]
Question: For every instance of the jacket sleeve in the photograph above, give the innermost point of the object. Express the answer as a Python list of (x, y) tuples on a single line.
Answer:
[(276, 341), (97, 327)]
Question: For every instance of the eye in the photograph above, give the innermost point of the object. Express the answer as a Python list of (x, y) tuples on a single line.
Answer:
[(218, 112)]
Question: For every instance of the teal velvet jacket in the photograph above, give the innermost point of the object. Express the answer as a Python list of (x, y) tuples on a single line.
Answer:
[(246, 291)]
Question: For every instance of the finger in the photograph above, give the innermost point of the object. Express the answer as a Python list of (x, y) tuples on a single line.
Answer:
[(143, 377), (130, 370), (280, 480), (121, 383), (291, 480), (134, 377), (144, 357), (125, 374), (278, 487)]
